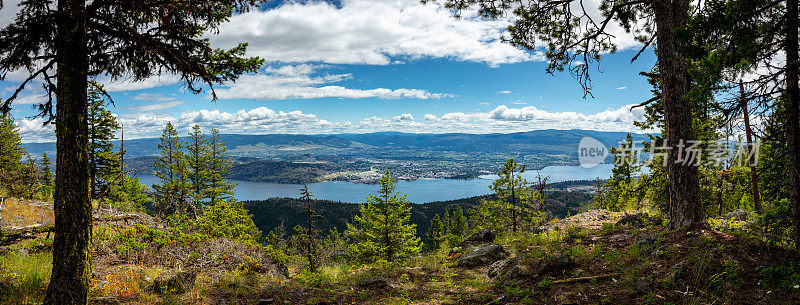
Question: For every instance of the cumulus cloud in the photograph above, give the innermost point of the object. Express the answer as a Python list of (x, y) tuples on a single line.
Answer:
[(264, 120), (299, 82), (403, 117), (368, 32)]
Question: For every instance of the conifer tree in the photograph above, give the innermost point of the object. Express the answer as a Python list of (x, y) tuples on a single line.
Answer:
[(382, 230), (511, 188), (311, 230), (574, 38), (219, 164), (46, 176), (618, 192), (436, 234), (27, 186), (11, 152), (458, 225), (170, 168), (63, 44), (104, 160), (197, 159)]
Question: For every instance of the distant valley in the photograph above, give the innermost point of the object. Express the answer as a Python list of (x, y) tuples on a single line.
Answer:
[(286, 158)]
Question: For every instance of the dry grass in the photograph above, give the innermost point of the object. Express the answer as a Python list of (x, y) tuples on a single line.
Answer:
[(16, 213)]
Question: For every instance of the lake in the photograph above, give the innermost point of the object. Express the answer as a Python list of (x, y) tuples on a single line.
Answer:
[(419, 191)]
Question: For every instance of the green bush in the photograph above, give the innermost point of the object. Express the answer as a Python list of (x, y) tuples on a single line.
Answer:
[(229, 220)]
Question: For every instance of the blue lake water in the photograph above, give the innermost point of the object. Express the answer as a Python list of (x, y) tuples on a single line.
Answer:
[(419, 191)]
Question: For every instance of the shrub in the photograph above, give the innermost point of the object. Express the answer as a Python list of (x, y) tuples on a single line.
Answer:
[(229, 220)]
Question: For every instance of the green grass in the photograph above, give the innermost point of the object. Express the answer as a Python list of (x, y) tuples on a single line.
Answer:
[(24, 278)]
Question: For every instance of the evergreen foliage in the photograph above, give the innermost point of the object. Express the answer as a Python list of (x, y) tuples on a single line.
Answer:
[(104, 160), (311, 231), (219, 165), (381, 230), (227, 219), (46, 177), (11, 152), (172, 194), (197, 161)]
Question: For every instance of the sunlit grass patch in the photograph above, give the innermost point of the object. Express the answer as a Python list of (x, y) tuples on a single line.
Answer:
[(17, 213), (24, 278)]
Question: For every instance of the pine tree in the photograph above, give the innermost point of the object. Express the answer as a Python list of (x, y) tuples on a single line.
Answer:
[(170, 168), (65, 43), (197, 159), (511, 188), (219, 165), (27, 186), (618, 191), (436, 234), (46, 176), (104, 161), (458, 225), (11, 152), (311, 230), (382, 230)]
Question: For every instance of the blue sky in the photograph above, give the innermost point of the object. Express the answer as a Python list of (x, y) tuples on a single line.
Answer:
[(375, 65)]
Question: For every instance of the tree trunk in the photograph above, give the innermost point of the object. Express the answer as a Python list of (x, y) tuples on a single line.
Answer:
[(793, 116), (685, 208), (748, 130), (71, 276)]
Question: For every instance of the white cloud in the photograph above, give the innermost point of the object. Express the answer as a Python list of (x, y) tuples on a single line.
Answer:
[(504, 92), (130, 85), (30, 99), (622, 88), (368, 32), (33, 130), (157, 106), (153, 97), (264, 120), (403, 117), (455, 116), (297, 82)]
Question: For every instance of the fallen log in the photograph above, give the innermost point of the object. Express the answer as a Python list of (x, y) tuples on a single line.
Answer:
[(12, 234), (118, 217), (585, 278)]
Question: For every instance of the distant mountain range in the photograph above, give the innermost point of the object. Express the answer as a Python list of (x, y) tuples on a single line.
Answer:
[(286, 158), (548, 142)]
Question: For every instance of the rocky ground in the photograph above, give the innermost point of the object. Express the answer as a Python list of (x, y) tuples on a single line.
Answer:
[(597, 257)]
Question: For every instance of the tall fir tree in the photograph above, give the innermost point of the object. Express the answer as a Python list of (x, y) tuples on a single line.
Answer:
[(197, 161), (382, 230), (63, 44), (219, 165), (11, 152), (27, 186), (170, 168), (436, 234), (46, 176), (511, 188), (104, 160), (311, 230), (458, 225)]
